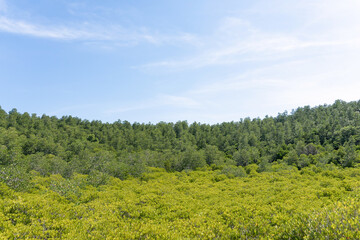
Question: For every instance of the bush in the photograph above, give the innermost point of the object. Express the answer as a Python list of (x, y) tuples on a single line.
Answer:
[(65, 187), (16, 178), (97, 178), (233, 171)]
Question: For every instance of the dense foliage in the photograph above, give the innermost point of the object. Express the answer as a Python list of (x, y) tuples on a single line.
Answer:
[(49, 145), (311, 203), (294, 176)]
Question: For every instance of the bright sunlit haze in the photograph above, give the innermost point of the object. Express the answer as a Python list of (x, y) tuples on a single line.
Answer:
[(149, 61)]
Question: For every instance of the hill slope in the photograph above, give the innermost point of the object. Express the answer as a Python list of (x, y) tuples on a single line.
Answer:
[(328, 134), (295, 176)]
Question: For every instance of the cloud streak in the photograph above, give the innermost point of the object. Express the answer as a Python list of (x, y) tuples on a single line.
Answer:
[(91, 32), (272, 48), (272, 57), (327, 26), (314, 62), (64, 33)]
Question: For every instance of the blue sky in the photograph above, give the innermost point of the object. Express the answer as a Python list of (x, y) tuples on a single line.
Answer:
[(149, 61)]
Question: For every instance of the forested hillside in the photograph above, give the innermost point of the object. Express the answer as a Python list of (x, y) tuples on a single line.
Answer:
[(294, 176), (326, 134)]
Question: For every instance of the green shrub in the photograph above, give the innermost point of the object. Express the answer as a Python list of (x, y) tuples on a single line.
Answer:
[(233, 171)]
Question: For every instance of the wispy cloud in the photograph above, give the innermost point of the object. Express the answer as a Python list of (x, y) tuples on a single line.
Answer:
[(92, 32), (269, 90), (274, 56), (25, 28), (254, 49), (327, 26)]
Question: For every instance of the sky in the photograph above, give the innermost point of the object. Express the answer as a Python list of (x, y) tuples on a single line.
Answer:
[(208, 61)]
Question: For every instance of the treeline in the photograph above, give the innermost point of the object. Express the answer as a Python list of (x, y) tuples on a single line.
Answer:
[(29, 144)]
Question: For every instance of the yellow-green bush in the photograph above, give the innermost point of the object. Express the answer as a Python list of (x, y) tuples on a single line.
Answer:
[(288, 204)]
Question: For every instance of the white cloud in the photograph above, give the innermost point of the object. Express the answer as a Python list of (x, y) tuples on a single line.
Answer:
[(92, 32), (25, 28), (258, 48), (313, 60), (309, 56), (327, 25), (271, 89)]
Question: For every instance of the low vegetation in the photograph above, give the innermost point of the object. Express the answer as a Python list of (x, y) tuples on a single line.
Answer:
[(294, 176), (311, 203)]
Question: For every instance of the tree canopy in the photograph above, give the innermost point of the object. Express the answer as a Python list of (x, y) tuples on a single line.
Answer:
[(326, 134)]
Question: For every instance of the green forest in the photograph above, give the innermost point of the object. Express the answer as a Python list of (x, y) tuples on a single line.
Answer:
[(293, 176)]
